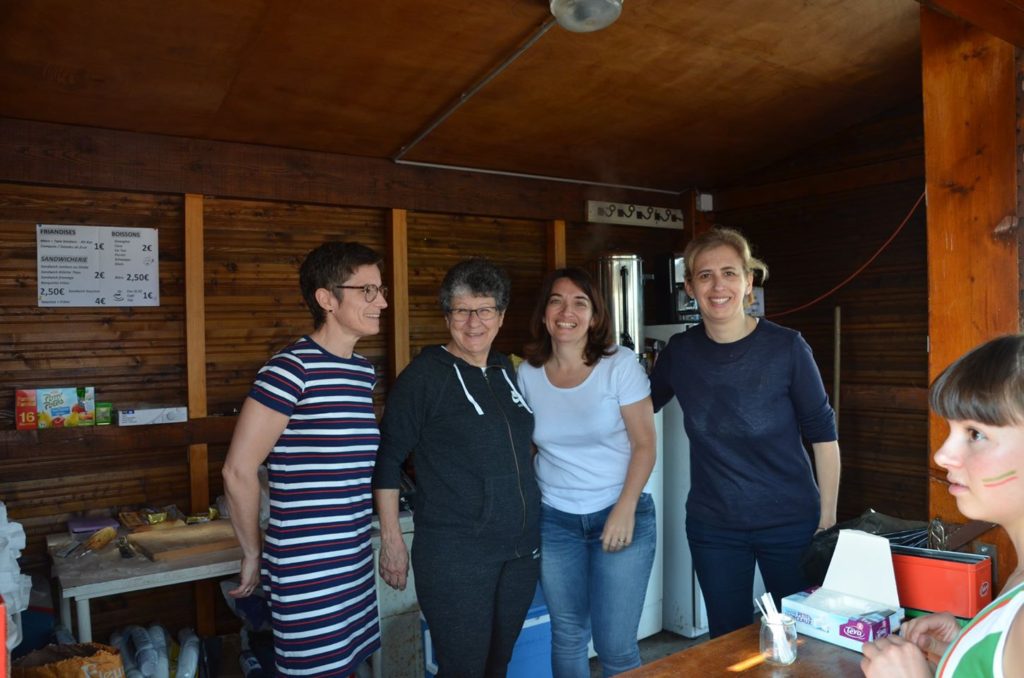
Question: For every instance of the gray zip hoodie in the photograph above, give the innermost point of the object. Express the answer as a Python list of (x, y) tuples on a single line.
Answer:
[(469, 431)]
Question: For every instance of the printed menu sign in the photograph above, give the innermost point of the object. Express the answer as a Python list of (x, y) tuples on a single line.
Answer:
[(97, 265)]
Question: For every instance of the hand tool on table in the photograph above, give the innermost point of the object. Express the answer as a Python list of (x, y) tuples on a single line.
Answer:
[(98, 540)]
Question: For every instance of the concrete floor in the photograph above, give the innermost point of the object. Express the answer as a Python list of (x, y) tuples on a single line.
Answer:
[(652, 648)]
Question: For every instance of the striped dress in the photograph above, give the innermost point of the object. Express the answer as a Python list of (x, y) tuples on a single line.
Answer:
[(317, 557)]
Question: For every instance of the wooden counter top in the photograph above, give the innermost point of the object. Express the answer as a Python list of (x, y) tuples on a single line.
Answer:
[(737, 652)]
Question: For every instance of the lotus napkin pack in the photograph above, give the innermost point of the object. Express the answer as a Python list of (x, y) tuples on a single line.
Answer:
[(858, 601)]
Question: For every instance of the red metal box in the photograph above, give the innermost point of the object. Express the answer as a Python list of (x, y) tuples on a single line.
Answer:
[(942, 581)]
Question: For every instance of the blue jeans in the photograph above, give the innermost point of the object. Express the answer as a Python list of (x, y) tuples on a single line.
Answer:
[(592, 592), (724, 561)]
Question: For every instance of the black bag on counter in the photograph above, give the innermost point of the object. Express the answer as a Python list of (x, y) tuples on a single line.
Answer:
[(815, 561)]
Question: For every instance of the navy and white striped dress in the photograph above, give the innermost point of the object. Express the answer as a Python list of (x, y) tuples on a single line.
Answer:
[(317, 557)]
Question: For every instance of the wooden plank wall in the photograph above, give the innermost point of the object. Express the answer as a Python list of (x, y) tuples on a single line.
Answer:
[(253, 305), (439, 241), (252, 251), (814, 221), (253, 243), (131, 356), (262, 210)]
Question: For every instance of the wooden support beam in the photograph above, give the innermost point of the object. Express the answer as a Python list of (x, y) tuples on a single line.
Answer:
[(556, 244), (693, 219), (195, 356), (195, 340), (1002, 18), (397, 267), (86, 157), (970, 118)]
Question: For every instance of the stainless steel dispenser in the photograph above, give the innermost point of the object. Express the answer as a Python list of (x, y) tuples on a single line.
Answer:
[(620, 278)]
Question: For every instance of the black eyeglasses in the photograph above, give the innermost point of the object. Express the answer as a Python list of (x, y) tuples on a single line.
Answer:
[(370, 291), (485, 313)]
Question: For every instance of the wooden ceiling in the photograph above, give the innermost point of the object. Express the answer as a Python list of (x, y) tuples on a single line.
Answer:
[(676, 94)]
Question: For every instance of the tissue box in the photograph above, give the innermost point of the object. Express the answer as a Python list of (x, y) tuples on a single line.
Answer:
[(847, 629), (858, 602), (152, 415)]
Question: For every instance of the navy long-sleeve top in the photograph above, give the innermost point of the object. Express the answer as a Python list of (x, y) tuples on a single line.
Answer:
[(746, 407)]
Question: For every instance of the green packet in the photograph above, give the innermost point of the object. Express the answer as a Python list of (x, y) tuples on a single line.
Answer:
[(104, 413)]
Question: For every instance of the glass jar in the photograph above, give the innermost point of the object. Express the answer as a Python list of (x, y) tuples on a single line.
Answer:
[(778, 640)]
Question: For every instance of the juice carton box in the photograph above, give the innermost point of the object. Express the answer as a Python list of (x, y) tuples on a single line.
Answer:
[(25, 418), (65, 407)]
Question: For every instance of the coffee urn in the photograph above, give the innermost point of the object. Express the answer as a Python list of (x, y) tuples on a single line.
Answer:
[(620, 278)]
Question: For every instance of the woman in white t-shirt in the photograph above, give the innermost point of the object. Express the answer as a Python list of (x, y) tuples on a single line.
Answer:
[(595, 441)]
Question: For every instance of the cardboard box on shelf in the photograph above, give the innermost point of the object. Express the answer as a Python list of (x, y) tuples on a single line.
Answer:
[(57, 407), (152, 415), (25, 416), (103, 413), (858, 601)]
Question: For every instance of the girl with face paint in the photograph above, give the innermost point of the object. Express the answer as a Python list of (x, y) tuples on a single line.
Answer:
[(981, 395)]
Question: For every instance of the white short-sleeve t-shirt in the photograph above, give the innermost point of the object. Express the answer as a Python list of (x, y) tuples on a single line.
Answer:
[(582, 446)]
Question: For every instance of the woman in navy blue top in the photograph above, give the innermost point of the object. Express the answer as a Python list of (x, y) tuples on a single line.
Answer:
[(750, 394)]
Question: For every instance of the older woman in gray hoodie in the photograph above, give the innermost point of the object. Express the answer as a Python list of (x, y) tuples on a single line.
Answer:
[(475, 553)]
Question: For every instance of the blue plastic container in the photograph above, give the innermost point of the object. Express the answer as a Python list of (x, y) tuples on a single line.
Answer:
[(531, 657)]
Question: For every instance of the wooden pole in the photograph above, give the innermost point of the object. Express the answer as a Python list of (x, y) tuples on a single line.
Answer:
[(970, 119), (397, 268), (195, 346), (556, 244), (195, 356)]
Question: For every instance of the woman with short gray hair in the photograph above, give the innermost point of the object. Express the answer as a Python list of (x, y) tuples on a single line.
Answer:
[(478, 278), (456, 409)]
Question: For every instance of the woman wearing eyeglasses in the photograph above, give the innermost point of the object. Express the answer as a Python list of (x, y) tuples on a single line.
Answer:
[(456, 410), (310, 416)]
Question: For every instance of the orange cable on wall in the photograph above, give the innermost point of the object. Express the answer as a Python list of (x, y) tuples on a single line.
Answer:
[(853, 275)]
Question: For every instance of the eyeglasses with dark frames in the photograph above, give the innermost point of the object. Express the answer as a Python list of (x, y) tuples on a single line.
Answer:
[(484, 313), (370, 291)]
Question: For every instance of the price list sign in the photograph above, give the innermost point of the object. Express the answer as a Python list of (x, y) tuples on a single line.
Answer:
[(97, 266)]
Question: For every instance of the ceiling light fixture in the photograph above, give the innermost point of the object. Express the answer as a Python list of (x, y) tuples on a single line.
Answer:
[(584, 16)]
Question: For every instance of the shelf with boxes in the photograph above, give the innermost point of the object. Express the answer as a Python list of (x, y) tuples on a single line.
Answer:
[(210, 430), (74, 407), (49, 475)]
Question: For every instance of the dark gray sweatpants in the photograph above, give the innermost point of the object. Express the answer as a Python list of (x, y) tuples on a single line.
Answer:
[(474, 603)]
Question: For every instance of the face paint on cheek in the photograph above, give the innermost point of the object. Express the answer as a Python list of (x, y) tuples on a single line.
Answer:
[(1001, 479)]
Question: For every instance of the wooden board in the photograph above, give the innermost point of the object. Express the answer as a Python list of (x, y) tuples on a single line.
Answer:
[(182, 542)]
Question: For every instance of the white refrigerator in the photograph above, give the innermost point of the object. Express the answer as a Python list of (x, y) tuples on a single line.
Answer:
[(651, 617), (682, 605)]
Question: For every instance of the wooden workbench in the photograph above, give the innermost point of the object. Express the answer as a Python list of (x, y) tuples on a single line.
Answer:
[(106, 573)]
